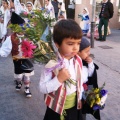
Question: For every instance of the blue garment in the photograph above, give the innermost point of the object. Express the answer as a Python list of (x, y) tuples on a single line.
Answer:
[(86, 26), (85, 17), (44, 35)]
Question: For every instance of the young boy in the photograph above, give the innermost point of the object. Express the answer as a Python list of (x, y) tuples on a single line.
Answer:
[(89, 74), (12, 44), (63, 100)]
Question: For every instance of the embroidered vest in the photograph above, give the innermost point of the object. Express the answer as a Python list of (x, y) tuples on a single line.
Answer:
[(55, 100), (15, 44)]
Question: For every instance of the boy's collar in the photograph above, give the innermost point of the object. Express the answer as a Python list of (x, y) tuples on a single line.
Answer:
[(69, 59)]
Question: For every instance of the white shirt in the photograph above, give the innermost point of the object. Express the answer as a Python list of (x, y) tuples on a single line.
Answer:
[(6, 47), (7, 17), (47, 84)]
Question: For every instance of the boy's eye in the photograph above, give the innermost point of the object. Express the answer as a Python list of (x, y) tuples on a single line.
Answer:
[(73, 43), (70, 43)]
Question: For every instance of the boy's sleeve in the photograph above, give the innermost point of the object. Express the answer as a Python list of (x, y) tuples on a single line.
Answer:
[(81, 92), (6, 47), (81, 85), (48, 84)]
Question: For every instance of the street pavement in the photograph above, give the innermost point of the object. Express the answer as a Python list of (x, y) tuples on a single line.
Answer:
[(15, 106)]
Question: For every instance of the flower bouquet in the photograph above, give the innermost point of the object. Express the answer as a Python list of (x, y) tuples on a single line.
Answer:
[(25, 51), (24, 14), (35, 31), (95, 97), (27, 48)]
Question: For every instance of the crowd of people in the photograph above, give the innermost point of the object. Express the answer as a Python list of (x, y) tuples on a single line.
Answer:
[(63, 85), (56, 9)]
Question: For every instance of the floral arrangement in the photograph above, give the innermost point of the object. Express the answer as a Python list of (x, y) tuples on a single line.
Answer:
[(34, 30), (27, 48), (24, 14), (95, 97)]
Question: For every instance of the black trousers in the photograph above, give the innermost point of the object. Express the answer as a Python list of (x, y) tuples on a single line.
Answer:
[(72, 114), (103, 21), (17, 67)]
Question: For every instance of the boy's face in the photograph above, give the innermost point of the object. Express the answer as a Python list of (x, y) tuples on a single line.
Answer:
[(69, 47), (84, 54)]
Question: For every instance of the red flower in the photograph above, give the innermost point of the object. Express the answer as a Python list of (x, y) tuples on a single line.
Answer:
[(85, 86), (27, 48), (25, 13)]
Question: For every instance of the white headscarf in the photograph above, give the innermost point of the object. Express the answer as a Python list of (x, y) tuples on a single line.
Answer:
[(29, 2), (37, 4), (25, 9), (86, 11), (18, 7)]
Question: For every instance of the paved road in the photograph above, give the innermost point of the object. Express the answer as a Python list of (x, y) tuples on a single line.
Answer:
[(15, 106)]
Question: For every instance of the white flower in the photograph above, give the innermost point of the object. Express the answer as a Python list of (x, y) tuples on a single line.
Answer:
[(103, 99)]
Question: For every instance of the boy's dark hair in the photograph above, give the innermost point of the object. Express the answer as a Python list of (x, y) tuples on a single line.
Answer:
[(66, 29)]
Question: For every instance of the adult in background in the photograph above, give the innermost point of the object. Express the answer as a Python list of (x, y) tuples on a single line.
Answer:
[(16, 6), (55, 4), (105, 14), (49, 8), (62, 10), (24, 7), (85, 21), (37, 4), (4, 18)]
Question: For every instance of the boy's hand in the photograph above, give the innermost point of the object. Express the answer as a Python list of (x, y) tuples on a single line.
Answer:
[(63, 75), (88, 59), (79, 104)]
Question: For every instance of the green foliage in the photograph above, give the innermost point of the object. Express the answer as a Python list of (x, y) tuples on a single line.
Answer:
[(16, 28), (43, 53)]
